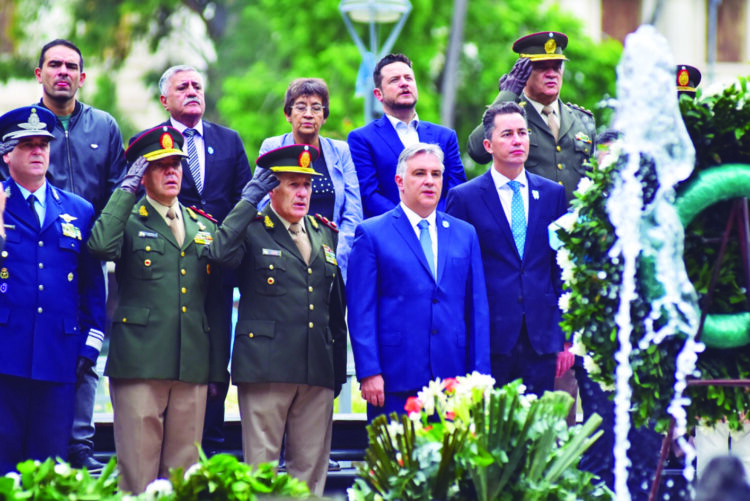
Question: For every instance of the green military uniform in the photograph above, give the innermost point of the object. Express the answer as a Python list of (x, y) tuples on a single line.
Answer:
[(169, 297), (291, 326), (564, 161)]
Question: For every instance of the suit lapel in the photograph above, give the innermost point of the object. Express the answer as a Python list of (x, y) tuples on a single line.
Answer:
[(280, 234), (534, 210), (533, 117), (151, 218), (389, 136), (566, 120), (53, 209), (18, 206), (443, 242), (403, 227), (425, 133), (495, 208)]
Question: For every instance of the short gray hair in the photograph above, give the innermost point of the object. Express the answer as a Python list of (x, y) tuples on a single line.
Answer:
[(418, 149), (164, 80)]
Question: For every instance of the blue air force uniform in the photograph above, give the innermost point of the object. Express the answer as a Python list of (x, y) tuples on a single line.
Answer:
[(52, 309)]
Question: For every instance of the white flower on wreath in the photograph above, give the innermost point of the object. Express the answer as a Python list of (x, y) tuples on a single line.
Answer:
[(578, 348), (565, 264), (158, 488), (590, 366), (584, 185), (564, 302), (475, 384), (395, 428)]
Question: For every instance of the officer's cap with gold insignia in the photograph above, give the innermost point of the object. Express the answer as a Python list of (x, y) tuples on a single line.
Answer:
[(543, 46), (688, 79), (29, 121), (157, 143), (295, 158)]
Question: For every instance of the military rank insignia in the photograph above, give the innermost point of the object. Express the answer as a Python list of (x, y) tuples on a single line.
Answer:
[(142, 211), (583, 137), (267, 221), (72, 231), (330, 255), (203, 237), (4, 274)]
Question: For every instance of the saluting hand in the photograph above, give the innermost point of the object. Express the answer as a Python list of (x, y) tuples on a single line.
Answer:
[(263, 182), (132, 179), (516, 80)]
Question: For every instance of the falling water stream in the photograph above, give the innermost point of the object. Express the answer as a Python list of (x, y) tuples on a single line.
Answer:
[(648, 115)]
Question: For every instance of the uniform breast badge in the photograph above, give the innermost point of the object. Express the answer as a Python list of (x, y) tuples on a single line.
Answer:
[(330, 255)]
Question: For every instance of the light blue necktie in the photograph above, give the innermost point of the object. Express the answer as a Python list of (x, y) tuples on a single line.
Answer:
[(193, 160), (426, 242), (517, 217)]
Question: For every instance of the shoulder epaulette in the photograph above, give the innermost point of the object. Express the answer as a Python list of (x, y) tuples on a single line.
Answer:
[(579, 108), (326, 222), (196, 210)]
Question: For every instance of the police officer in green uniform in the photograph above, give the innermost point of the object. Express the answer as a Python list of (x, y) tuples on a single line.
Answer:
[(166, 345), (561, 136), (289, 356)]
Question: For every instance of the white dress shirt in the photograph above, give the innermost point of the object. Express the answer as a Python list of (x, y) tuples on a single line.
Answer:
[(407, 132), (506, 193), (414, 220)]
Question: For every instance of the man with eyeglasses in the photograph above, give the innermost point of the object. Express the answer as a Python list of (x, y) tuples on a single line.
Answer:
[(376, 146), (216, 169)]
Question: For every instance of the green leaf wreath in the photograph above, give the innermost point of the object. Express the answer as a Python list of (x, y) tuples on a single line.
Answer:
[(719, 127)]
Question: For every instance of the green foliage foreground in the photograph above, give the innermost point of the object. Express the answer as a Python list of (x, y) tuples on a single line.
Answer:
[(222, 477), (464, 440)]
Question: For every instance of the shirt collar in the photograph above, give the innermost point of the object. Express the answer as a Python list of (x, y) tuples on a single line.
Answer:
[(162, 209), (538, 106), (395, 121), (40, 193), (502, 180), (181, 126), (287, 223), (415, 218)]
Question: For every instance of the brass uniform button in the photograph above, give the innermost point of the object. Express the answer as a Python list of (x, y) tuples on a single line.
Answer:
[(41, 266), (182, 253), (271, 281), (309, 289), (183, 271), (41, 244), (148, 248), (270, 266), (558, 147), (310, 325), (309, 271), (184, 290), (41, 287), (184, 309), (4, 254), (312, 307), (124, 320), (39, 310), (559, 166), (251, 335)]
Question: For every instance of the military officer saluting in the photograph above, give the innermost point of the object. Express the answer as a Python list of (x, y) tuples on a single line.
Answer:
[(166, 344), (51, 296), (561, 136), (289, 357)]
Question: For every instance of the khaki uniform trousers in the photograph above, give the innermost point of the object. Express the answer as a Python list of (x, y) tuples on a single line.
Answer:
[(306, 412), (157, 424)]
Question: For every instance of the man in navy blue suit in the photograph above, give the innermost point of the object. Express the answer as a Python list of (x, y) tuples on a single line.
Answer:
[(376, 146), (51, 295), (511, 209), (216, 169), (416, 294)]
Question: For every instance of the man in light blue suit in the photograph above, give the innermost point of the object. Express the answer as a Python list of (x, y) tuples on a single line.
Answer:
[(510, 210), (376, 146), (416, 293)]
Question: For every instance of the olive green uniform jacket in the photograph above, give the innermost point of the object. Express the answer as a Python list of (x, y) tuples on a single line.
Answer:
[(563, 162), (291, 326), (168, 320)]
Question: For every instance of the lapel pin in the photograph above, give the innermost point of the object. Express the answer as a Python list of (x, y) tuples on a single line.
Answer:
[(210, 150), (446, 224), (535, 194)]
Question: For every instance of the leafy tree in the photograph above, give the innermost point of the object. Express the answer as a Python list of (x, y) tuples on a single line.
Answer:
[(261, 46)]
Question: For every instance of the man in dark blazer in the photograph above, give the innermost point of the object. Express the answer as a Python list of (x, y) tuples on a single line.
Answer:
[(289, 356), (214, 173), (414, 317), (51, 296), (376, 146), (511, 209), (168, 344)]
